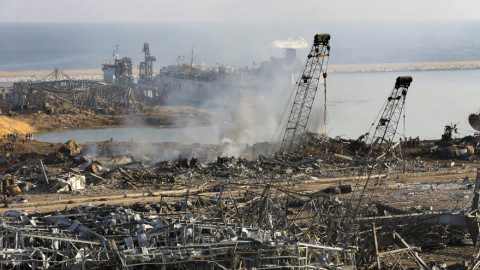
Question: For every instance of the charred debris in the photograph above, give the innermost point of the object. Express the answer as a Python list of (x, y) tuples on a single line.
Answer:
[(312, 205), (307, 210)]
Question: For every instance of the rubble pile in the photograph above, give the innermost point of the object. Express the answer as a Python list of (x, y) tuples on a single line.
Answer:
[(191, 231), (231, 213), (466, 148), (110, 169), (268, 226), (61, 94)]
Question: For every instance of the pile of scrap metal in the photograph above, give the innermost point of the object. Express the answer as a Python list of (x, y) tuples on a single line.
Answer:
[(448, 147), (263, 226), (23, 176), (381, 236), (64, 95), (152, 171), (189, 231), (30, 175)]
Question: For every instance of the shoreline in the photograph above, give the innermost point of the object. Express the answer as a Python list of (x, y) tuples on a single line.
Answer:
[(97, 74), (159, 116), (414, 66)]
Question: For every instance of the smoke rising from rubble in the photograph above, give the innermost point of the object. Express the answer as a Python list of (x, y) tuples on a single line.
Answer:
[(253, 117), (91, 150), (144, 150), (245, 116)]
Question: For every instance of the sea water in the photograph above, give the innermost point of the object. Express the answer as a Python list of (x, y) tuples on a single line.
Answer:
[(186, 135), (434, 99), (45, 46)]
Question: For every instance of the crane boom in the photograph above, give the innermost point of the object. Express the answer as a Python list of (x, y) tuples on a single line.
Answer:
[(388, 123), (306, 89)]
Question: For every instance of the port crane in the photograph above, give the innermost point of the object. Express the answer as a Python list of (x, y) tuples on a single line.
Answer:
[(306, 89), (385, 130), (146, 67), (383, 136), (388, 122)]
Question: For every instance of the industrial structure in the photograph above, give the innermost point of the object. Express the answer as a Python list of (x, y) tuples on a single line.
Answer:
[(119, 71), (145, 73), (306, 89), (387, 125), (203, 85), (381, 141), (57, 93)]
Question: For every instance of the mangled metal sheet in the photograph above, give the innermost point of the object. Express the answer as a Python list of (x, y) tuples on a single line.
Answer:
[(76, 182)]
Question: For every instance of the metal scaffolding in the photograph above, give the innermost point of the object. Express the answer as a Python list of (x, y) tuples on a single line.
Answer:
[(71, 96)]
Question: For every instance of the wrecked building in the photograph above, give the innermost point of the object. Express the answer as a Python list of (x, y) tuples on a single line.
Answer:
[(57, 94), (119, 71)]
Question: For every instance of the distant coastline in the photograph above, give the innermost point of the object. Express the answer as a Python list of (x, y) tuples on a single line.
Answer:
[(393, 67), (97, 74)]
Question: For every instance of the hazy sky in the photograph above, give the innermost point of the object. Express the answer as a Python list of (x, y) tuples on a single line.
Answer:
[(236, 11)]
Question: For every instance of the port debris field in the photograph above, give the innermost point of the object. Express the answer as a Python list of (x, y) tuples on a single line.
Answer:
[(312, 202)]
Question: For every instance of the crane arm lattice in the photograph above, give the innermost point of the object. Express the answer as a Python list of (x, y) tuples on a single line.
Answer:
[(306, 89), (388, 123)]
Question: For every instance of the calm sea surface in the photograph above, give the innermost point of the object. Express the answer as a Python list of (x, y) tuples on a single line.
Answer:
[(434, 99), (187, 135), (44, 46)]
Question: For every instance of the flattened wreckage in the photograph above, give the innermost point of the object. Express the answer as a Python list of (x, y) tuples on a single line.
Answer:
[(232, 213)]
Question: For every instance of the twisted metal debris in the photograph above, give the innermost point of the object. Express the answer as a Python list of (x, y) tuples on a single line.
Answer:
[(191, 232)]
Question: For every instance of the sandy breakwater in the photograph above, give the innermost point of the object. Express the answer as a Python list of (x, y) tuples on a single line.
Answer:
[(97, 74), (35, 75), (393, 67)]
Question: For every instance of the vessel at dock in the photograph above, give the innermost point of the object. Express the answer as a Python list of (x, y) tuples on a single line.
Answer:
[(215, 85)]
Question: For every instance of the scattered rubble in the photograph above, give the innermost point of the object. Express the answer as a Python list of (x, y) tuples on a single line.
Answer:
[(230, 212)]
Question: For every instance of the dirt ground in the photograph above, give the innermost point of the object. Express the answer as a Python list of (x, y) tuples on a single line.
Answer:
[(159, 116), (441, 192), (449, 191)]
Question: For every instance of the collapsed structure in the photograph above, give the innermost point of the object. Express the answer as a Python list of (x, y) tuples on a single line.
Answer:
[(222, 233), (184, 84), (58, 93), (62, 95), (245, 216)]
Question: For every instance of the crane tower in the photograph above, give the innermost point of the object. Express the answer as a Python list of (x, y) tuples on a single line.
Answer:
[(146, 68), (306, 89), (388, 123)]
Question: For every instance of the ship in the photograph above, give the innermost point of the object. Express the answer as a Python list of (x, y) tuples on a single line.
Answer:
[(206, 85)]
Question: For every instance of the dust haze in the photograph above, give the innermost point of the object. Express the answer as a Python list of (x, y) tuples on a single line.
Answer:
[(246, 116)]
